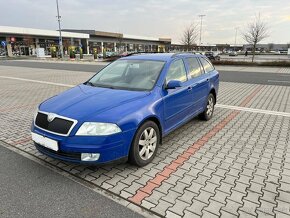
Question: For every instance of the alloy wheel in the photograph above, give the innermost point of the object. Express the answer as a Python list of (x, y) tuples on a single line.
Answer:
[(209, 107), (147, 143)]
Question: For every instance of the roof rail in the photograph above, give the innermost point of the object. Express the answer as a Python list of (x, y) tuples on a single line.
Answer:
[(178, 53), (144, 52)]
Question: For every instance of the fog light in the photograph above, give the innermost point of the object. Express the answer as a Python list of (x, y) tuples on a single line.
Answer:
[(90, 156)]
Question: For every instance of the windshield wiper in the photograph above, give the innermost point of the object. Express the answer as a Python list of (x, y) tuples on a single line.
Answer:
[(90, 84), (99, 85)]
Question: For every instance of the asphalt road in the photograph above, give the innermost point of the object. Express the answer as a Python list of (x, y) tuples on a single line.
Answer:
[(28, 189), (225, 76), (256, 78)]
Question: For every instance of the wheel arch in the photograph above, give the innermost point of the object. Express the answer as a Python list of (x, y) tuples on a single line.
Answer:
[(212, 91), (155, 120)]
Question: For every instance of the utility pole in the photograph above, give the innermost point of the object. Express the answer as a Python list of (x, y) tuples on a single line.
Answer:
[(59, 29), (200, 30), (236, 37)]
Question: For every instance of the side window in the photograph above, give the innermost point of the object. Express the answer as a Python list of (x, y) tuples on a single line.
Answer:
[(206, 65), (176, 71), (194, 67)]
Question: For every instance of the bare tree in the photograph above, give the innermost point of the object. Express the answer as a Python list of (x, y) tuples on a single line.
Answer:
[(256, 31), (119, 43), (189, 36)]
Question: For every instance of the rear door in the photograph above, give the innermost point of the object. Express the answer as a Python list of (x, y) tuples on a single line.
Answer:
[(199, 83), (208, 71)]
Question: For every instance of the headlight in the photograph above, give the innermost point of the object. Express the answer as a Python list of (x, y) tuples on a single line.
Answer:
[(93, 128)]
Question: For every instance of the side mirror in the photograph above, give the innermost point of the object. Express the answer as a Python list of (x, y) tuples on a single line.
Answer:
[(172, 84)]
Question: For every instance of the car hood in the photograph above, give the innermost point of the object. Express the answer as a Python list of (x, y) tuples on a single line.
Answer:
[(83, 102)]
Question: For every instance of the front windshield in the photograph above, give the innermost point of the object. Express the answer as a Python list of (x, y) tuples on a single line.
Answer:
[(128, 74)]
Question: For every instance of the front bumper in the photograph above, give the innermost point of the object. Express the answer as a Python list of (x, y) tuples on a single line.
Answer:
[(111, 148)]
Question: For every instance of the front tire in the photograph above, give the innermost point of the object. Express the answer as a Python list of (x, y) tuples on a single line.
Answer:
[(145, 144), (208, 112)]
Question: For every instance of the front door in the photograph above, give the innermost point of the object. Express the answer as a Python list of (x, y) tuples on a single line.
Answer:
[(177, 102)]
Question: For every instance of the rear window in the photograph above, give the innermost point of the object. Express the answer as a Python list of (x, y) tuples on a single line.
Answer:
[(194, 67), (207, 66)]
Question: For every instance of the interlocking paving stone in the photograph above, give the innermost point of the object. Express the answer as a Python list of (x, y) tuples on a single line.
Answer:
[(244, 169), (179, 207), (197, 207)]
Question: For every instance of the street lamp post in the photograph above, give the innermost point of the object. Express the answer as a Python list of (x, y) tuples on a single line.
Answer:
[(200, 30), (59, 29), (236, 37)]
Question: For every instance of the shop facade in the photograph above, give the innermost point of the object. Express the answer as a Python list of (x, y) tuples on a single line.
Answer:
[(26, 41)]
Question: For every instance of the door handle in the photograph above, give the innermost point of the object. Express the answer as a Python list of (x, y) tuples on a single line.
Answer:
[(189, 88)]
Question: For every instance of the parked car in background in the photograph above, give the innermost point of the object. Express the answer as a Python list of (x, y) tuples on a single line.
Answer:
[(124, 110), (213, 56), (233, 53)]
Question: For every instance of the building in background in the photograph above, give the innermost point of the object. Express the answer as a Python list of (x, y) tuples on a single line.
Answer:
[(25, 41), (119, 42)]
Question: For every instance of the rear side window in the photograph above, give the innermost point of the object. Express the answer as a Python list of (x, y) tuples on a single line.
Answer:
[(194, 67), (207, 66), (176, 71)]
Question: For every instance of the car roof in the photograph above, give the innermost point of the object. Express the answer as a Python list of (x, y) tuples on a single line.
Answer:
[(159, 56)]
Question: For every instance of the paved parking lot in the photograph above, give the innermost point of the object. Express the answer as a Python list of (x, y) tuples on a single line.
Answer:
[(237, 164)]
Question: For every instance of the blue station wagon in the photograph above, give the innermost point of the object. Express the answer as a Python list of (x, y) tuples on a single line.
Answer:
[(124, 110)]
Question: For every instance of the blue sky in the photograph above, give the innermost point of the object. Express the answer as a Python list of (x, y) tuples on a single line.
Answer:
[(155, 18)]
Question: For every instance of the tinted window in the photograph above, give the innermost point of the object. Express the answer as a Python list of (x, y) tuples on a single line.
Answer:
[(194, 67), (206, 65), (176, 71)]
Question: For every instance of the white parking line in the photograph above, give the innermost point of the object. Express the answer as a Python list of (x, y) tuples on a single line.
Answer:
[(231, 107), (278, 81), (253, 110), (37, 81)]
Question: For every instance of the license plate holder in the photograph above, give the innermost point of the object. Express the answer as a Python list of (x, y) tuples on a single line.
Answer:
[(44, 141)]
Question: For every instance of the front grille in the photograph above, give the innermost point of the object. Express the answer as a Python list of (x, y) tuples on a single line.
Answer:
[(57, 125)]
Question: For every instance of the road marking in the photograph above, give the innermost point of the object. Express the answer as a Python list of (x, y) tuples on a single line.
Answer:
[(36, 81), (165, 174), (278, 81), (253, 110)]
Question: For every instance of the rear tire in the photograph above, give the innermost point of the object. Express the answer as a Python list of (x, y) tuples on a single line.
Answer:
[(145, 144), (208, 112)]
